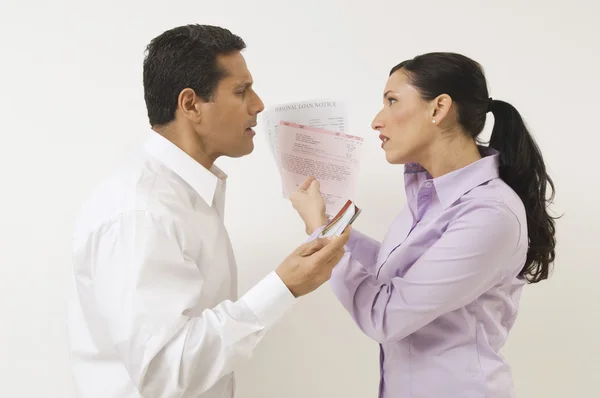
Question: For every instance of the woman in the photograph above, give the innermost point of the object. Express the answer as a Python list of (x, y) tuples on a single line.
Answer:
[(441, 292)]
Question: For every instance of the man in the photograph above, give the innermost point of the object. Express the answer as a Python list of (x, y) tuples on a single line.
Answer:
[(155, 311)]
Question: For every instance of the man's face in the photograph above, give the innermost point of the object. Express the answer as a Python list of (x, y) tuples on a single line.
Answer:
[(227, 121)]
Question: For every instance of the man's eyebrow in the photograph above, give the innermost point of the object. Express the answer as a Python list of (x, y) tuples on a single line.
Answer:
[(244, 84)]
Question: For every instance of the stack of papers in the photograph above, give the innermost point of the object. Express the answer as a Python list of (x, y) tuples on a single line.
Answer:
[(310, 138), (345, 217)]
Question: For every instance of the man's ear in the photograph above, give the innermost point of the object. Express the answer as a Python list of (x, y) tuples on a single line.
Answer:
[(190, 105), (440, 108)]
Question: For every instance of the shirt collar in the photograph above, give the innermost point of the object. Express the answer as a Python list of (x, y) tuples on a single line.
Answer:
[(450, 187), (202, 180)]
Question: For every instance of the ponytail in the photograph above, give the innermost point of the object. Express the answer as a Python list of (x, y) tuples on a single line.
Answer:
[(522, 168)]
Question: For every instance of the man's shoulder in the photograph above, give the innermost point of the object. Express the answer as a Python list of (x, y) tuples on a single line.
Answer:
[(140, 185)]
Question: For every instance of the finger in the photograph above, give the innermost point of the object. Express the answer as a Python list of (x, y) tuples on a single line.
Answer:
[(338, 243), (326, 269), (309, 248), (331, 250), (315, 187), (336, 255), (343, 238), (304, 186)]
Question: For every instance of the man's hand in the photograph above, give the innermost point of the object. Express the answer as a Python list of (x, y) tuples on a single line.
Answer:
[(310, 265), (309, 204)]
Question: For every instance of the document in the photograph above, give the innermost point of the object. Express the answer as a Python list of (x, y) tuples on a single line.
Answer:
[(321, 113), (310, 139)]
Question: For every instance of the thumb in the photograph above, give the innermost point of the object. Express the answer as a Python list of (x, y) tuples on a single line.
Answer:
[(329, 251), (306, 183), (314, 188)]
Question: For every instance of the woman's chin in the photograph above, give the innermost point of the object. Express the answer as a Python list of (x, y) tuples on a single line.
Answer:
[(394, 157)]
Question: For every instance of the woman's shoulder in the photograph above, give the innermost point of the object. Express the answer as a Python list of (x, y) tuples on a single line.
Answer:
[(494, 205), (495, 194)]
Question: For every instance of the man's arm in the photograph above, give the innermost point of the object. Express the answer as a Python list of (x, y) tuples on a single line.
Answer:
[(151, 295), (476, 252)]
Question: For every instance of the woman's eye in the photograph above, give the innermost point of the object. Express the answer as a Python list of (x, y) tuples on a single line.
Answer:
[(391, 101)]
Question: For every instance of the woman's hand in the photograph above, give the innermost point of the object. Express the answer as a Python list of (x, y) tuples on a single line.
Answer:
[(309, 204)]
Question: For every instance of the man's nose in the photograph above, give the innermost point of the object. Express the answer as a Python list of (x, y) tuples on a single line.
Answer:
[(258, 106)]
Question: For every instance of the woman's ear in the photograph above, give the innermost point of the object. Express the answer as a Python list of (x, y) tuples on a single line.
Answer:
[(440, 108)]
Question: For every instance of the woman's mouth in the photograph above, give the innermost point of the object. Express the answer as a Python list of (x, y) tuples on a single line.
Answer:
[(383, 139)]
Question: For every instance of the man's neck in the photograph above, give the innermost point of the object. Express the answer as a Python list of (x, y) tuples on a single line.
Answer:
[(188, 142)]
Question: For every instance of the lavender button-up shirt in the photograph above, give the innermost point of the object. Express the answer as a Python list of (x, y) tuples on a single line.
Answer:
[(440, 293)]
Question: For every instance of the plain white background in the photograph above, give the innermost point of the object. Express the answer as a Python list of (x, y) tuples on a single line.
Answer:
[(71, 105)]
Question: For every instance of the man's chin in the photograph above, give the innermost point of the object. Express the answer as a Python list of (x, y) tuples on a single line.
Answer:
[(243, 151)]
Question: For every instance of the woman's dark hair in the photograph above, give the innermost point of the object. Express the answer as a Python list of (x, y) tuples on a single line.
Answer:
[(182, 57), (521, 164)]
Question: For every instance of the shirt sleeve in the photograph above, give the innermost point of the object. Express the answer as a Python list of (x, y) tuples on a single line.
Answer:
[(363, 248), (477, 251), (153, 298)]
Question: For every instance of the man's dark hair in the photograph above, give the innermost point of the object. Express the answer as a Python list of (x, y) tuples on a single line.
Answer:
[(184, 57)]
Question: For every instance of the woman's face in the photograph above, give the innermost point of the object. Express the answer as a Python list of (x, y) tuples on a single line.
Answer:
[(405, 123)]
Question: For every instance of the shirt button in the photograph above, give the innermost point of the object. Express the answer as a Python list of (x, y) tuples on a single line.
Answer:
[(424, 198), (428, 185)]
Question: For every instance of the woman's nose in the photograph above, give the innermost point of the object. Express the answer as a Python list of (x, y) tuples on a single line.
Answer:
[(377, 123)]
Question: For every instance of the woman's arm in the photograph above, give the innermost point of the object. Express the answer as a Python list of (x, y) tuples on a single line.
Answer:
[(363, 248), (470, 257), (310, 205)]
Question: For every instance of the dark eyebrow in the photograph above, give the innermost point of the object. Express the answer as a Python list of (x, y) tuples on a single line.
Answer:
[(386, 93)]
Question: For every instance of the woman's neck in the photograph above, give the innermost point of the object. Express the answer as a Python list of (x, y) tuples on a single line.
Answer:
[(451, 152)]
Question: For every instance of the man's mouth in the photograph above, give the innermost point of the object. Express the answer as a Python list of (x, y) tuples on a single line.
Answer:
[(250, 129)]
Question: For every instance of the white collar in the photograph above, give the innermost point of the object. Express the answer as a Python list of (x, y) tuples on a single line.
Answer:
[(202, 180)]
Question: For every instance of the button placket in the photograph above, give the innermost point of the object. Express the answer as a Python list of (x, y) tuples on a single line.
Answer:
[(424, 194)]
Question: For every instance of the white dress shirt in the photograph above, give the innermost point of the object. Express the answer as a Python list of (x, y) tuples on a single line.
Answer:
[(154, 310)]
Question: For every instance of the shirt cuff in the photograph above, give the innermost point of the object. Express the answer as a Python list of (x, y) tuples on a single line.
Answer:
[(316, 233), (355, 237), (269, 299)]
